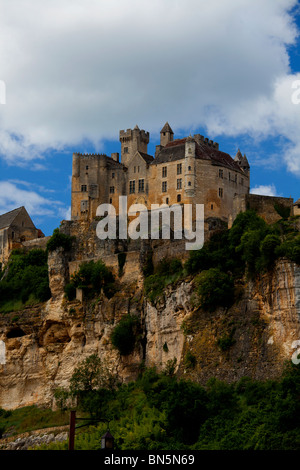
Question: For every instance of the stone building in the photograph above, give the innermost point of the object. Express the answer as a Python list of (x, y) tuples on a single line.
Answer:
[(16, 227), (189, 170)]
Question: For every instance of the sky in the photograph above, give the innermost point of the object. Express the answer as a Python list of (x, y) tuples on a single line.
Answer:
[(73, 74)]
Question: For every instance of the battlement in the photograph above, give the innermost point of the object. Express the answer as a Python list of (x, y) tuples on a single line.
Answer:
[(89, 155), (200, 139), (136, 132)]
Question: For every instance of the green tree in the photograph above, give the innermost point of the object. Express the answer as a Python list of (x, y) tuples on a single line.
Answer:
[(215, 289)]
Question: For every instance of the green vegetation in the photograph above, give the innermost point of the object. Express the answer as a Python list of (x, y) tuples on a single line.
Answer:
[(91, 277), (59, 239), (167, 272), (125, 335), (159, 412), (29, 418), (215, 289), (25, 280), (226, 341)]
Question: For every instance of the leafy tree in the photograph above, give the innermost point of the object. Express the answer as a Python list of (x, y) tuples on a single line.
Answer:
[(59, 239), (215, 289), (124, 335)]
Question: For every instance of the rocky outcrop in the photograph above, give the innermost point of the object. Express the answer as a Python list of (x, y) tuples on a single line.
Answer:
[(41, 346)]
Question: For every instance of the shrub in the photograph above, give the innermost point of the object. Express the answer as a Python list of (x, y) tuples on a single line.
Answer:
[(59, 239), (26, 279), (124, 335), (215, 289), (190, 360), (167, 272), (92, 277), (70, 291), (226, 341)]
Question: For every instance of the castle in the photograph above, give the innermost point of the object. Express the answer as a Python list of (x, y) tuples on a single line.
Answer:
[(191, 170)]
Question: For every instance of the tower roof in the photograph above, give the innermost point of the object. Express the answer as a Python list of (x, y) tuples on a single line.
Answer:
[(238, 156), (244, 162), (167, 128)]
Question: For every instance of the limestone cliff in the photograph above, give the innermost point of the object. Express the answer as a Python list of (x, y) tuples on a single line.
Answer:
[(41, 346)]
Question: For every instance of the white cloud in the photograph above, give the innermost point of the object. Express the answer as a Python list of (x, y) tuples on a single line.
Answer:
[(87, 69), (13, 196), (265, 190)]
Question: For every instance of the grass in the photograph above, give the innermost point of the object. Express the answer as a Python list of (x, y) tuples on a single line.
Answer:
[(30, 418), (14, 305)]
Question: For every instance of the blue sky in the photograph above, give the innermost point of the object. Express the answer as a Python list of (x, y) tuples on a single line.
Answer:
[(78, 72)]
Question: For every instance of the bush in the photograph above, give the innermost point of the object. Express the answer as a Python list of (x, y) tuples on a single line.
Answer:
[(167, 272), (26, 279), (92, 277), (215, 289), (124, 335), (59, 239)]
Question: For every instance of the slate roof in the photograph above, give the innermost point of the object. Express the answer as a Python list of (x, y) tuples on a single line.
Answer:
[(146, 157), (167, 128), (7, 219), (176, 151)]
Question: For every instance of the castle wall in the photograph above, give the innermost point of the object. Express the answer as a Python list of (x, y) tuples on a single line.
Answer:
[(265, 206)]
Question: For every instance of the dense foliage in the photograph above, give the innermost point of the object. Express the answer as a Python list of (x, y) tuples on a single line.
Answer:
[(91, 277), (165, 273), (25, 280), (125, 335), (160, 412), (59, 239)]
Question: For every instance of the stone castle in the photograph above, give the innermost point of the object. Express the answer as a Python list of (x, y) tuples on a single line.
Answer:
[(191, 170)]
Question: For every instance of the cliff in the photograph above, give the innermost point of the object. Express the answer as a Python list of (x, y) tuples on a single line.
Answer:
[(41, 346)]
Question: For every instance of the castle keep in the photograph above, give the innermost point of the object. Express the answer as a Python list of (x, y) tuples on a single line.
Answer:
[(191, 170)]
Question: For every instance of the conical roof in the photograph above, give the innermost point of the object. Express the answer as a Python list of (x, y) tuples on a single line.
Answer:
[(244, 162), (167, 128), (238, 156)]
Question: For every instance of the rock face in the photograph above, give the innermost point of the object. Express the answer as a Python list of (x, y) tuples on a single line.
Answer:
[(41, 346)]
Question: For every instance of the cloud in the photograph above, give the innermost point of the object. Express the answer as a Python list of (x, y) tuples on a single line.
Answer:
[(13, 196), (76, 72), (265, 190)]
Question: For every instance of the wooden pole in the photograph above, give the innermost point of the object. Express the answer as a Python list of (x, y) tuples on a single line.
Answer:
[(72, 430)]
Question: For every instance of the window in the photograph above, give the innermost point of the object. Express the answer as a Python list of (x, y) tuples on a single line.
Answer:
[(178, 197), (131, 187), (229, 176), (164, 187), (221, 174), (135, 169), (190, 168), (189, 183), (125, 149), (164, 172), (110, 200), (12, 235), (112, 175), (167, 200), (86, 167), (141, 186), (179, 168), (112, 190), (179, 183), (242, 182), (83, 188), (220, 192), (212, 207)]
